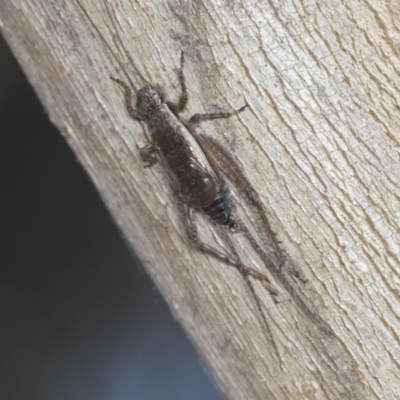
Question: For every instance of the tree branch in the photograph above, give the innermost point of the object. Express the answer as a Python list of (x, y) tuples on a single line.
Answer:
[(318, 141)]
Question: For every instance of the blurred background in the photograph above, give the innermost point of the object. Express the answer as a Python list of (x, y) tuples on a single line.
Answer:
[(79, 318)]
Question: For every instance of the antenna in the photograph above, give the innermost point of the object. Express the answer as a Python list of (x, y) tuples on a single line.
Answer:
[(145, 81), (109, 48)]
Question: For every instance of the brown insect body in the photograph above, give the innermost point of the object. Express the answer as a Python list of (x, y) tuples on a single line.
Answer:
[(187, 167), (190, 173), (195, 164)]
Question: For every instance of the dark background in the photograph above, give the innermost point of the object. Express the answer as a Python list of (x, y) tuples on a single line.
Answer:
[(79, 319)]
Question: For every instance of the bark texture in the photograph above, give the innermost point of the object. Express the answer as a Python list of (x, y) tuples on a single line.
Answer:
[(319, 142)]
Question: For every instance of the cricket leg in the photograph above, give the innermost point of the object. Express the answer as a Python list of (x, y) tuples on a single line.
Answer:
[(245, 271), (147, 155), (192, 234), (183, 99), (221, 158), (135, 114), (146, 152), (196, 118)]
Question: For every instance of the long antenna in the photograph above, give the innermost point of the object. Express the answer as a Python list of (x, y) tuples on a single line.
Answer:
[(122, 44), (109, 48)]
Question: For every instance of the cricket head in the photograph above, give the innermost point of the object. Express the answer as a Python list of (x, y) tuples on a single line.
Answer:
[(149, 98)]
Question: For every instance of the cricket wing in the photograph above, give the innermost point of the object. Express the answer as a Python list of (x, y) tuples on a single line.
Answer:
[(187, 167)]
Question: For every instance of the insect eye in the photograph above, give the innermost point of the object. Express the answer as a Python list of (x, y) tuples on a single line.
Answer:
[(155, 96)]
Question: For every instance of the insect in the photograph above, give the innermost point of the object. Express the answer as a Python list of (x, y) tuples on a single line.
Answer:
[(196, 166)]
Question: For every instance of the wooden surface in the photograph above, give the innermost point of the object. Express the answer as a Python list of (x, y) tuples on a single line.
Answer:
[(320, 142)]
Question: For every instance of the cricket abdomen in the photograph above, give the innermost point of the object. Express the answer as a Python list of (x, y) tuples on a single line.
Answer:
[(221, 209)]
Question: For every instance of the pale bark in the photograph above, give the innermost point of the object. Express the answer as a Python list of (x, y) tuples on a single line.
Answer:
[(320, 142)]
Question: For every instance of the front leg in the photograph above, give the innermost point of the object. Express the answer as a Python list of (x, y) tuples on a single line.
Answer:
[(181, 105), (147, 155), (135, 114), (184, 96)]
